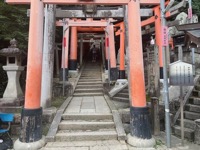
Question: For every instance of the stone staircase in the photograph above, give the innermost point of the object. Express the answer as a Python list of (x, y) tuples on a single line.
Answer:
[(86, 127), (122, 96), (90, 81), (191, 113), (87, 123), (86, 131)]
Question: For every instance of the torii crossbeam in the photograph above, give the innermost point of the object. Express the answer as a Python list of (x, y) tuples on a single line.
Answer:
[(96, 2)]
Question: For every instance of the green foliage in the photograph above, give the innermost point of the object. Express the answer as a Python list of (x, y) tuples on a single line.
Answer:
[(3, 81), (57, 101), (14, 24), (196, 7), (159, 144)]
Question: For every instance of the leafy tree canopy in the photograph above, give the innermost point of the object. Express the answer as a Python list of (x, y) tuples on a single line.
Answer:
[(196, 7), (13, 24)]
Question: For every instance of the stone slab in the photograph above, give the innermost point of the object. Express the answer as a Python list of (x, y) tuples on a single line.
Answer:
[(87, 111), (87, 94), (85, 125), (63, 148), (73, 109), (101, 105), (88, 116), (84, 143), (81, 136), (87, 105)]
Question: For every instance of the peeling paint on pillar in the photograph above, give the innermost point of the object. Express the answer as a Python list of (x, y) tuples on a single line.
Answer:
[(31, 130)]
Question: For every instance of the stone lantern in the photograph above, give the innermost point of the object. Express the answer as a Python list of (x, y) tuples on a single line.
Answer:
[(13, 92)]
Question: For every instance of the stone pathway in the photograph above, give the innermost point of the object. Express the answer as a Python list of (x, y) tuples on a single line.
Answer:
[(87, 123)]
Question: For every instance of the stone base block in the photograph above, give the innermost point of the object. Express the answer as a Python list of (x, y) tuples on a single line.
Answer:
[(197, 132), (119, 85), (73, 73), (12, 101), (65, 72), (140, 143), (48, 115), (58, 89), (11, 109), (18, 145)]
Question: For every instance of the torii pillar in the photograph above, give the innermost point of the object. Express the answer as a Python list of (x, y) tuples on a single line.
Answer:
[(106, 51), (31, 116), (81, 51), (158, 37), (111, 53), (140, 135), (121, 56), (65, 52), (103, 50), (73, 49)]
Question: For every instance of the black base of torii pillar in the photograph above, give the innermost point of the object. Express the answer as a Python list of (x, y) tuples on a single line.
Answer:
[(140, 134), (31, 116)]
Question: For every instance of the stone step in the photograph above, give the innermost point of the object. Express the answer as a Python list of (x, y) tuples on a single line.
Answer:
[(88, 94), (188, 133), (91, 74), (195, 93), (197, 87), (65, 135), (191, 115), (89, 86), (90, 77), (187, 123), (86, 145), (85, 125), (126, 90), (64, 148), (91, 70), (88, 117), (192, 108), (121, 99), (89, 80), (194, 100), (89, 83), (123, 95), (94, 90)]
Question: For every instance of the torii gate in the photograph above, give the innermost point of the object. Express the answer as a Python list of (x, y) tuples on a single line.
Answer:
[(31, 135), (121, 32), (73, 60), (158, 28)]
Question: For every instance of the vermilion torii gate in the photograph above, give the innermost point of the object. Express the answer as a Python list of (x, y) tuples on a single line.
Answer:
[(85, 23), (31, 135), (121, 32)]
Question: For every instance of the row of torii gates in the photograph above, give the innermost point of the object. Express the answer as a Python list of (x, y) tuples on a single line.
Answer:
[(109, 43), (31, 134)]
